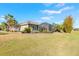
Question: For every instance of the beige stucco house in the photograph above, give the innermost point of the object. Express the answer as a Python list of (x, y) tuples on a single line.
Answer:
[(33, 25)]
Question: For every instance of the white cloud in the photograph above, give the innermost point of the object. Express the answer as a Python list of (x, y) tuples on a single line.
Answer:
[(60, 4), (56, 11), (47, 4), (66, 8), (51, 11), (47, 17)]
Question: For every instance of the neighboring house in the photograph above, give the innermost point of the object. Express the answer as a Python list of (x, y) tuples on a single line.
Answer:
[(45, 27), (33, 25)]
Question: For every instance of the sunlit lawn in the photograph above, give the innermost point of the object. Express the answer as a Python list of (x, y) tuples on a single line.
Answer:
[(37, 44)]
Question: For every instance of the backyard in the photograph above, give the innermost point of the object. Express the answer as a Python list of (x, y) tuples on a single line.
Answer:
[(39, 44)]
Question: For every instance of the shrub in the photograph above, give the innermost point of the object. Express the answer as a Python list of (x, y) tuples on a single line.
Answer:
[(56, 27), (27, 30), (45, 31)]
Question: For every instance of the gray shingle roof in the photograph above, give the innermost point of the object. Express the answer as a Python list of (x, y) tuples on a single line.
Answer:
[(29, 22)]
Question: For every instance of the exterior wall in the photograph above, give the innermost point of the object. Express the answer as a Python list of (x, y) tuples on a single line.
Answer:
[(23, 27), (45, 26), (35, 28)]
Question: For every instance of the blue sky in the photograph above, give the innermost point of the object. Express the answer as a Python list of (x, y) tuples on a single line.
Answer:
[(41, 12)]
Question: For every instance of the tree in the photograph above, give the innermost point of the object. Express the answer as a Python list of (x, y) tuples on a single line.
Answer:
[(68, 24), (3, 26), (11, 22)]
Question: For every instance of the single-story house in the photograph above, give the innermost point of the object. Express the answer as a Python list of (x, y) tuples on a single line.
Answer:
[(33, 25), (36, 27), (45, 27)]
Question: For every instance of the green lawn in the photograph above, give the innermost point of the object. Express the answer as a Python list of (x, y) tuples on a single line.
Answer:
[(40, 44)]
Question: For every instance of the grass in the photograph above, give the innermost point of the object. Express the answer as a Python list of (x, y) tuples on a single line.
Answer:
[(1, 33), (40, 44)]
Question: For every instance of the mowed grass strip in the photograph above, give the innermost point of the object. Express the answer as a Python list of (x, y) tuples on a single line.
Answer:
[(39, 44)]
